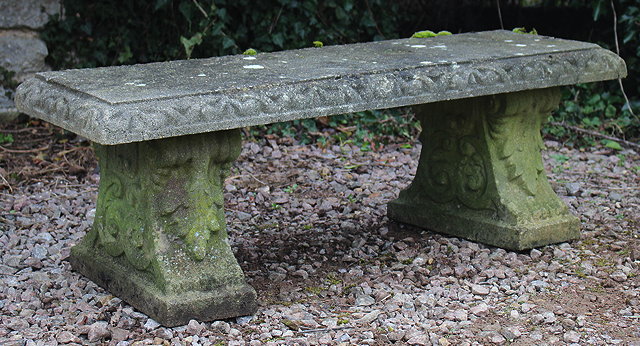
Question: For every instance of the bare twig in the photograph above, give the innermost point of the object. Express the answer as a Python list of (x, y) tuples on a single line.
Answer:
[(17, 151), (6, 183), (26, 129), (275, 22), (500, 15), (206, 15), (615, 36), (322, 330), (373, 18), (246, 175), (597, 134)]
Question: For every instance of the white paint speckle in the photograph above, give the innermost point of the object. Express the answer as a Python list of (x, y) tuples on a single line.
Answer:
[(443, 61), (141, 84), (202, 75), (253, 67), (343, 59), (426, 62), (537, 40), (441, 46), (282, 77), (519, 53), (284, 62), (551, 45), (395, 42), (249, 58), (508, 41), (418, 46), (521, 45), (129, 83)]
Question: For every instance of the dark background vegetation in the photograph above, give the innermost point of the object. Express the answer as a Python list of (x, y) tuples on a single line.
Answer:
[(101, 33)]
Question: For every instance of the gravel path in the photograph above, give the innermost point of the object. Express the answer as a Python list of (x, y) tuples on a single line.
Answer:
[(309, 228)]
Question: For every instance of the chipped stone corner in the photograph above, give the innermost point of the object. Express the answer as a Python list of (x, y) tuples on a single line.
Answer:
[(22, 52)]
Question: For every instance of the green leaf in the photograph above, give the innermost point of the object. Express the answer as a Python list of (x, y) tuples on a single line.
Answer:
[(278, 39), (596, 10), (190, 44), (125, 55), (185, 10), (160, 4), (611, 144), (228, 42), (610, 111)]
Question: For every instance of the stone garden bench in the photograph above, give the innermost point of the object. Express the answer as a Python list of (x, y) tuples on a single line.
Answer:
[(166, 133)]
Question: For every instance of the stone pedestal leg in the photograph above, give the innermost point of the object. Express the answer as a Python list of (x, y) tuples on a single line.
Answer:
[(159, 237), (480, 174)]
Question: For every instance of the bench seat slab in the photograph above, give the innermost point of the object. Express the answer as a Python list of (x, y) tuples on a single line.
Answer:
[(159, 238), (481, 175)]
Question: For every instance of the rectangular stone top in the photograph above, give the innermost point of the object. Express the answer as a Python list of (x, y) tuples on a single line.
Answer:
[(122, 104)]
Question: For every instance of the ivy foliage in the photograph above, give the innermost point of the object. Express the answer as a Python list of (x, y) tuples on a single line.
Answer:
[(100, 33), (601, 106)]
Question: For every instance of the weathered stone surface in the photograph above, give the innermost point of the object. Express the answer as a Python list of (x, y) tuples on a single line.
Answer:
[(481, 175), (22, 52), (134, 103), (159, 237), (8, 110), (32, 14)]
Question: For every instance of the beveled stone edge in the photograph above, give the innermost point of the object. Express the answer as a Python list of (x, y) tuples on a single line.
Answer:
[(517, 237), (168, 310), (111, 124)]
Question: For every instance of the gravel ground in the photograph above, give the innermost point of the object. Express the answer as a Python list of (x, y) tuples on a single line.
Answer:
[(309, 228)]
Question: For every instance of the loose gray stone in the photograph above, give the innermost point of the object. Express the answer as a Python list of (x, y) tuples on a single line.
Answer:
[(66, 337), (571, 336), (124, 104), (526, 307), (39, 252), (221, 327), (497, 338), (119, 334), (33, 14), (535, 254), (479, 290), (537, 319), (242, 216), (98, 331), (615, 196), (618, 276), (479, 309), (365, 300), (22, 52), (573, 189), (370, 317), (8, 110), (510, 333), (151, 324), (164, 333), (242, 320), (420, 339), (549, 317), (7, 270), (194, 327)]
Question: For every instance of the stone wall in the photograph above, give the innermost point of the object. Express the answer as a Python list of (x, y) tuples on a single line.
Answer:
[(21, 50)]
